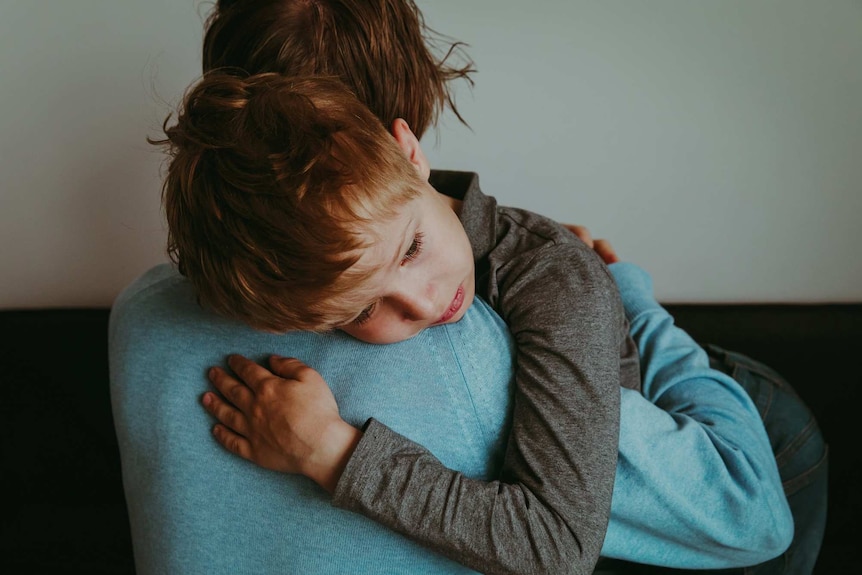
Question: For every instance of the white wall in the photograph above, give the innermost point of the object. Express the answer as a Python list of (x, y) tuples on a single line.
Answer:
[(718, 144)]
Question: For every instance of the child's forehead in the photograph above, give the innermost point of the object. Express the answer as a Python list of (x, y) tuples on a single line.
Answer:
[(375, 202), (383, 240)]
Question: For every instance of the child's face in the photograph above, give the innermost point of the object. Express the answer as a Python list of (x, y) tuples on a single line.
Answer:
[(424, 271)]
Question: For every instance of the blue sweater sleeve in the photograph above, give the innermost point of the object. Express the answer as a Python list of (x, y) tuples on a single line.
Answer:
[(720, 505)]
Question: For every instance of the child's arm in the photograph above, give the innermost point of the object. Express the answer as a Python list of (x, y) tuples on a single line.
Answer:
[(549, 510), (697, 483)]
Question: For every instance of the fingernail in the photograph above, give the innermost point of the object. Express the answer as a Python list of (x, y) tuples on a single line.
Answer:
[(207, 399), (211, 373)]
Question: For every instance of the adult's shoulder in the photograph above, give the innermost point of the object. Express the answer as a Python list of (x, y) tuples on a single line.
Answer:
[(160, 289)]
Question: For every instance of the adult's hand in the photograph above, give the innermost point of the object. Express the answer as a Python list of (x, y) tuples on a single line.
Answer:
[(284, 418)]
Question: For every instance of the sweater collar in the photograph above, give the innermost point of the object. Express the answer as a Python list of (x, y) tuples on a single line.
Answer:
[(478, 211)]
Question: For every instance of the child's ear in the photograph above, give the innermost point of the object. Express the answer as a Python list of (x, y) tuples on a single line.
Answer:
[(410, 146)]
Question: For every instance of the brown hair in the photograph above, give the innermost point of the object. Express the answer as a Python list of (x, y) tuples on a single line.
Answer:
[(271, 188), (381, 49)]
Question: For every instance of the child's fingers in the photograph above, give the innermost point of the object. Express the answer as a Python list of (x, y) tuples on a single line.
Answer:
[(289, 367), (231, 389), (235, 443), (582, 232), (248, 371), (607, 253), (227, 415)]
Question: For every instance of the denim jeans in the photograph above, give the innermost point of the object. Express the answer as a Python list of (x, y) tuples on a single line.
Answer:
[(801, 453), (802, 457)]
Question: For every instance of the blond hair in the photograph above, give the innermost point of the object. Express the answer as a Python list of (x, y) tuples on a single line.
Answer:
[(270, 185)]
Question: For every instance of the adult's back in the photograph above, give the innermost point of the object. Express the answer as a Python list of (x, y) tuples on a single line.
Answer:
[(195, 508)]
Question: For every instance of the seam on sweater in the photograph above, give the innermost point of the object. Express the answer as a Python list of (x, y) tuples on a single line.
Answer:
[(464, 379)]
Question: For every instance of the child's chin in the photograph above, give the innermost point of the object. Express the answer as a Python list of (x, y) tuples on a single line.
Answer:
[(383, 340)]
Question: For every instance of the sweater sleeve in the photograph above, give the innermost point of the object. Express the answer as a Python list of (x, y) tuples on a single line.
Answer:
[(697, 484), (548, 511)]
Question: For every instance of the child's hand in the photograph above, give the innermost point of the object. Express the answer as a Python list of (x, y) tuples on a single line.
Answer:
[(583, 233), (285, 419), (602, 247), (607, 253)]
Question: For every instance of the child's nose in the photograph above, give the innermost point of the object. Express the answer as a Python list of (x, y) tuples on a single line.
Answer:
[(418, 305)]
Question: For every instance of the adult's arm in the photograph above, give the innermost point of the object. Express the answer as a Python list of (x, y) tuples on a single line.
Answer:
[(697, 483)]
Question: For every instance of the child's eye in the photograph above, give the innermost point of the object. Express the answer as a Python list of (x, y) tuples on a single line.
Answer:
[(364, 315), (414, 250)]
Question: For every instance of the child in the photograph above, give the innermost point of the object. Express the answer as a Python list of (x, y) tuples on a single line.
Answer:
[(291, 186)]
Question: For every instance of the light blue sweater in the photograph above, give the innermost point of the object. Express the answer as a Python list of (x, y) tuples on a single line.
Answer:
[(696, 484)]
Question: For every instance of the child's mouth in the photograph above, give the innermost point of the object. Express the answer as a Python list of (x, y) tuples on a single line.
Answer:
[(456, 304)]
